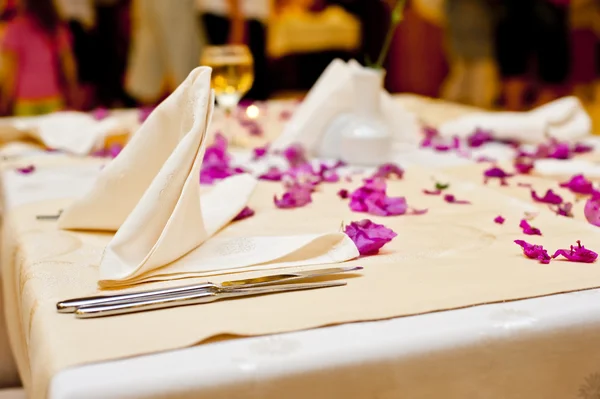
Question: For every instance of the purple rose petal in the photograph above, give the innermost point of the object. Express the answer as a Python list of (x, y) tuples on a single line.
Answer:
[(369, 237), (528, 229), (244, 213), (534, 251), (578, 184), (296, 196), (577, 254), (26, 170), (260, 152), (549, 198), (372, 198), (273, 174), (451, 199), (388, 170), (295, 155), (592, 210), (100, 113), (496, 173), (479, 137), (216, 162), (343, 193), (499, 219), (524, 165), (564, 209)]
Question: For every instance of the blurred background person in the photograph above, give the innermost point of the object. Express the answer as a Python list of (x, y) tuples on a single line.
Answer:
[(533, 30), (165, 47), (39, 74), (81, 19), (585, 25), (112, 37), (470, 47), (240, 22)]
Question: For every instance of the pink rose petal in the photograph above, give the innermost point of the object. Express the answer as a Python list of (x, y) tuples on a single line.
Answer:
[(26, 170), (369, 237), (592, 210), (549, 198), (534, 251), (244, 213), (577, 254), (528, 229), (499, 219), (449, 198)]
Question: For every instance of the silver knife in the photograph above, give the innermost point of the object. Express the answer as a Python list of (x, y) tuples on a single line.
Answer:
[(71, 305), (185, 299)]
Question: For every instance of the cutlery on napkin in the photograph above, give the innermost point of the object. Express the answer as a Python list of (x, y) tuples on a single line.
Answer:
[(563, 119), (151, 196), (333, 95)]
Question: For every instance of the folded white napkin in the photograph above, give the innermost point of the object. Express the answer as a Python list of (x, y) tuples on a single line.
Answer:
[(78, 133), (333, 94), (567, 167), (151, 195), (563, 119)]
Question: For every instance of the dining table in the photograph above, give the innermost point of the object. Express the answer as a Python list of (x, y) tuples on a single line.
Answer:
[(540, 347)]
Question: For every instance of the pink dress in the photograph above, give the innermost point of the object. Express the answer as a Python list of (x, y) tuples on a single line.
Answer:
[(38, 72)]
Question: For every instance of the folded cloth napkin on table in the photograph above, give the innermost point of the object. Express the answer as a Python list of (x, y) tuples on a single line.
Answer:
[(150, 194), (563, 119), (78, 133), (332, 95)]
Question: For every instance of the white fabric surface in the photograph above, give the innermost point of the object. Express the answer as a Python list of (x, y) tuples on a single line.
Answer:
[(537, 348)]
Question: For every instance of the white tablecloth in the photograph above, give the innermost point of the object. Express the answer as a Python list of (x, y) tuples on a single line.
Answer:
[(537, 348)]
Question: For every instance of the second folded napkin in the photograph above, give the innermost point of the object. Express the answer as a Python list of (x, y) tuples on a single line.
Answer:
[(151, 196), (563, 119)]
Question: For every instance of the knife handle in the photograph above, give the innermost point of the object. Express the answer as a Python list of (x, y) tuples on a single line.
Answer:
[(71, 305), (90, 312)]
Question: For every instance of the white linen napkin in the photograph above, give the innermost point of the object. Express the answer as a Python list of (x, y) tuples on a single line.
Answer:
[(332, 95), (563, 119), (78, 133), (151, 195)]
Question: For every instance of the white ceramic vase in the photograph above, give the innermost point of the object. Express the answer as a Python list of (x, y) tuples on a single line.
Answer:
[(360, 136)]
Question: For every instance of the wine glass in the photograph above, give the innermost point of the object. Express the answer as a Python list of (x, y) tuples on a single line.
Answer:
[(232, 75)]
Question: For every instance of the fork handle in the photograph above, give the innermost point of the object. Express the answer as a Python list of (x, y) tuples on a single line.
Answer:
[(71, 305)]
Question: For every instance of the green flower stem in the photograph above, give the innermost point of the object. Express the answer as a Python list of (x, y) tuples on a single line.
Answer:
[(396, 17)]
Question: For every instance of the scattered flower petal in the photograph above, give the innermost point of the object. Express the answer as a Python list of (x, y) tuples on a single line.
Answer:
[(524, 165), (496, 173), (295, 155), (372, 198), (26, 170), (582, 148), (273, 174), (100, 113), (564, 209), (144, 113), (499, 219), (528, 229), (534, 251), (479, 137), (387, 170), (244, 213), (549, 198), (577, 254), (592, 210), (449, 198), (369, 237), (296, 196), (432, 192), (260, 152), (215, 165), (578, 184), (343, 193)]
